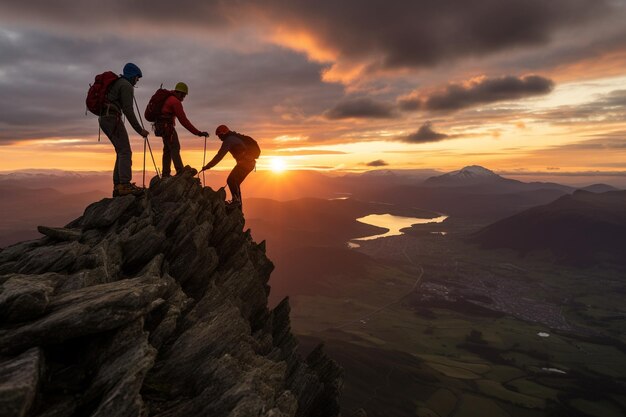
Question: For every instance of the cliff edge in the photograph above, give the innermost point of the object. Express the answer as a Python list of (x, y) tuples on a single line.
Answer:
[(152, 306)]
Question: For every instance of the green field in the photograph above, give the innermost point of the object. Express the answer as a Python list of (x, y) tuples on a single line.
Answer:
[(405, 354)]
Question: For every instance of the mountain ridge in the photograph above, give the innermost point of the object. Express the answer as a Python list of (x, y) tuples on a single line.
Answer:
[(153, 305), (580, 228)]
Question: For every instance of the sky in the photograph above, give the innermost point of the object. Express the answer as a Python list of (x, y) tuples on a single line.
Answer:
[(524, 87)]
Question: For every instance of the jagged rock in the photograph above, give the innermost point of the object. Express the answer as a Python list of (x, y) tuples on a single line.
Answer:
[(23, 298), (19, 378), (156, 306), (142, 246), (89, 310), (125, 361), (56, 257), (59, 233), (105, 212)]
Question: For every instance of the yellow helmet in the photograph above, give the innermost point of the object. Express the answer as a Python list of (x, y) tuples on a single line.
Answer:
[(182, 87)]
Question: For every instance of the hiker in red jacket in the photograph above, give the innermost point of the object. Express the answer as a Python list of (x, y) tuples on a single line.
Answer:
[(165, 127), (245, 150)]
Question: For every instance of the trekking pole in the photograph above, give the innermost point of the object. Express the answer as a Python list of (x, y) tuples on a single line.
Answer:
[(143, 183), (146, 138), (155, 165), (203, 162)]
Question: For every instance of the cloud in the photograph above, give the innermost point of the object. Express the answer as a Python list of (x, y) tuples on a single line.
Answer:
[(308, 152), (361, 108), (572, 173), (600, 144), (609, 107), (377, 163), (426, 134), (365, 36), (353, 36), (66, 14), (615, 99), (44, 79), (477, 91)]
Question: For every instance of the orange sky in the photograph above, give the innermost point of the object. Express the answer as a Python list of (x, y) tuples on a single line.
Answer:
[(320, 88)]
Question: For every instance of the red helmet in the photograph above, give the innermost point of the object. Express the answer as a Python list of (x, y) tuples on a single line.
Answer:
[(222, 130)]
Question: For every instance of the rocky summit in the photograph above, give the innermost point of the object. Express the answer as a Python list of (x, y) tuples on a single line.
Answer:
[(153, 305)]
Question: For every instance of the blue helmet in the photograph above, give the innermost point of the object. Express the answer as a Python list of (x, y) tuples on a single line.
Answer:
[(131, 70)]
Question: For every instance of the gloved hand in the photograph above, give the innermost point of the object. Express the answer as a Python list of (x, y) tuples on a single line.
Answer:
[(144, 133), (205, 168), (205, 134)]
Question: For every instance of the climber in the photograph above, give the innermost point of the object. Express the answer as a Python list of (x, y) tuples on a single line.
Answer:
[(165, 128), (245, 150), (119, 99)]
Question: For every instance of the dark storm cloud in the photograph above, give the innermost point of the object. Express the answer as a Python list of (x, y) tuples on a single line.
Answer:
[(426, 134), (117, 13), (377, 163), (361, 108), (44, 80), (420, 33), (397, 34), (480, 91)]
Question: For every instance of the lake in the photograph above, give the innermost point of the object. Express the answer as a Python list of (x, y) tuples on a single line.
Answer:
[(393, 223)]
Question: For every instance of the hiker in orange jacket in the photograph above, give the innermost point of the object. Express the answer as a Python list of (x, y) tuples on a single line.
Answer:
[(165, 127)]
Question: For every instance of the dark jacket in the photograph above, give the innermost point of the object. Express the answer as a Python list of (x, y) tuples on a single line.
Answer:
[(121, 95), (233, 144)]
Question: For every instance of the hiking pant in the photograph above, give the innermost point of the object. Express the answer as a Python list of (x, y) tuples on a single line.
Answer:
[(237, 175), (171, 153), (114, 128)]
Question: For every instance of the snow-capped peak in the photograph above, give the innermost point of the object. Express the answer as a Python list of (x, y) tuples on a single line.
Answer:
[(473, 171)]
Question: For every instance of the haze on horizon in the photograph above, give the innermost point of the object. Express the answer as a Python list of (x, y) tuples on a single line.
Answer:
[(525, 87)]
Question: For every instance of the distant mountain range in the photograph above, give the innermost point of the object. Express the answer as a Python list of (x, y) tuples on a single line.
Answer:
[(470, 175), (471, 192), (582, 228), (480, 179)]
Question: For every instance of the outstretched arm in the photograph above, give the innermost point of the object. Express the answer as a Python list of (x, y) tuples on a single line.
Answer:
[(218, 156), (179, 112)]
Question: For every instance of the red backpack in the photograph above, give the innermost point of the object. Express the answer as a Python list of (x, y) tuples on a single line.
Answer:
[(97, 94), (155, 105)]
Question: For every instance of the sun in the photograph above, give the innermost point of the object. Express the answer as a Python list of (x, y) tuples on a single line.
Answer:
[(278, 164)]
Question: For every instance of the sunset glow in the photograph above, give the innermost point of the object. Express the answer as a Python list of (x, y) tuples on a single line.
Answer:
[(326, 96), (278, 164)]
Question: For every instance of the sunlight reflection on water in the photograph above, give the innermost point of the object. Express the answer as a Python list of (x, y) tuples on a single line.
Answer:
[(393, 223)]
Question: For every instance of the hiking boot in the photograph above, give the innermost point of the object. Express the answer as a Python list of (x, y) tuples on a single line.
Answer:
[(233, 204), (126, 189), (192, 171)]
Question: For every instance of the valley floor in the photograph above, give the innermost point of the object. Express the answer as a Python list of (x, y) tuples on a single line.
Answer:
[(438, 327)]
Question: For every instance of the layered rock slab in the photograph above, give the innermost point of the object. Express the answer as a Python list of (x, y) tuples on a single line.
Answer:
[(152, 306)]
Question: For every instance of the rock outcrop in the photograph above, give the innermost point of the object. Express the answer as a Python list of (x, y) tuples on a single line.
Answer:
[(152, 306)]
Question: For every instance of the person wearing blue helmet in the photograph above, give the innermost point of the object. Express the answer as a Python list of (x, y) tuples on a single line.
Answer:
[(120, 101)]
